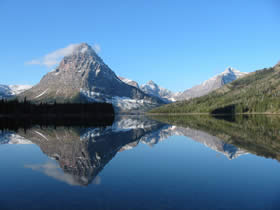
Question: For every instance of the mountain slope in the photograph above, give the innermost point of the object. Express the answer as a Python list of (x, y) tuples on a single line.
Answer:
[(213, 83), (153, 89), (83, 76), (256, 92)]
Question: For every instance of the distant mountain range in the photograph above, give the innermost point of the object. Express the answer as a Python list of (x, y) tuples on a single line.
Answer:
[(83, 76), (257, 92), (214, 83), (151, 88), (7, 91)]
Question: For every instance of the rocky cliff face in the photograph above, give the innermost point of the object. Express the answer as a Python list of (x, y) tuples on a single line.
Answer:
[(213, 83), (83, 76)]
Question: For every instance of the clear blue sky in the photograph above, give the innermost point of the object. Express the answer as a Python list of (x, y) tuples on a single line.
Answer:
[(175, 43)]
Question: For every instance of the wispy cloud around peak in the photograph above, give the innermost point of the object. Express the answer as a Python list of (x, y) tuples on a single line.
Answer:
[(53, 58), (97, 48)]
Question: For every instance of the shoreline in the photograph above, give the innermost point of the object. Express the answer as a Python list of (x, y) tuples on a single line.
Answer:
[(186, 114)]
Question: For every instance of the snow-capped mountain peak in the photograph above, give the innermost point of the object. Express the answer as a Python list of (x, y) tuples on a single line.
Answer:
[(228, 75), (230, 70), (153, 89), (83, 76), (152, 83)]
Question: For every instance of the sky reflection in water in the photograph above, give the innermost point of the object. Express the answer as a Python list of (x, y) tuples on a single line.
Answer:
[(142, 164)]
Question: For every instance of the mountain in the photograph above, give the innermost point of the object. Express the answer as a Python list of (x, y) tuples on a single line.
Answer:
[(257, 92), (213, 83), (83, 76), (153, 89), (7, 91)]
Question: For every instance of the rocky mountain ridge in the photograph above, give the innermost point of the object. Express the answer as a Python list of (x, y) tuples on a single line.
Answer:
[(83, 76)]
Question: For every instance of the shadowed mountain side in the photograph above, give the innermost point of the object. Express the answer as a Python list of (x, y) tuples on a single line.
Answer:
[(257, 134), (83, 153)]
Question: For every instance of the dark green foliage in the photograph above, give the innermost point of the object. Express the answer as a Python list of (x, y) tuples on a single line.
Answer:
[(13, 123), (14, 107), (15, 114), (254, 93)]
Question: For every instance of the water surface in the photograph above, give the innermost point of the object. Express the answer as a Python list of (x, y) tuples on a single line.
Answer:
[(139, 163)]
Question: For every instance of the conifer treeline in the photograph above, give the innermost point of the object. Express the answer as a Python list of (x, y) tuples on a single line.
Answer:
[(14, 107), (16, 123)]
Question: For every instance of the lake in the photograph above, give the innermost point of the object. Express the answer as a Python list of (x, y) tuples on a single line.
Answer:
[(160, 162)]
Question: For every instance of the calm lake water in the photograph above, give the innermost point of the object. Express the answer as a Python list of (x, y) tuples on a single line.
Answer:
[(191, 162)]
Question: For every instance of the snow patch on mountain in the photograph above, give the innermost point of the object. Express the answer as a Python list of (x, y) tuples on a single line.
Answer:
[(121, 104), (17, 89), (41, 93)]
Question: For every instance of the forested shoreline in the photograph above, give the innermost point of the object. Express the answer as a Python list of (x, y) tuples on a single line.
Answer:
[(25, 108), (257, 92)]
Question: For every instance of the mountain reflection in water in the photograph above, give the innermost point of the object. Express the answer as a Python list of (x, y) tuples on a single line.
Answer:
[(80, 153)]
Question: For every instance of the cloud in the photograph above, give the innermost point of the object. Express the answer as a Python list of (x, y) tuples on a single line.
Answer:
[(53, 58), (97, 48), (52, 169)]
